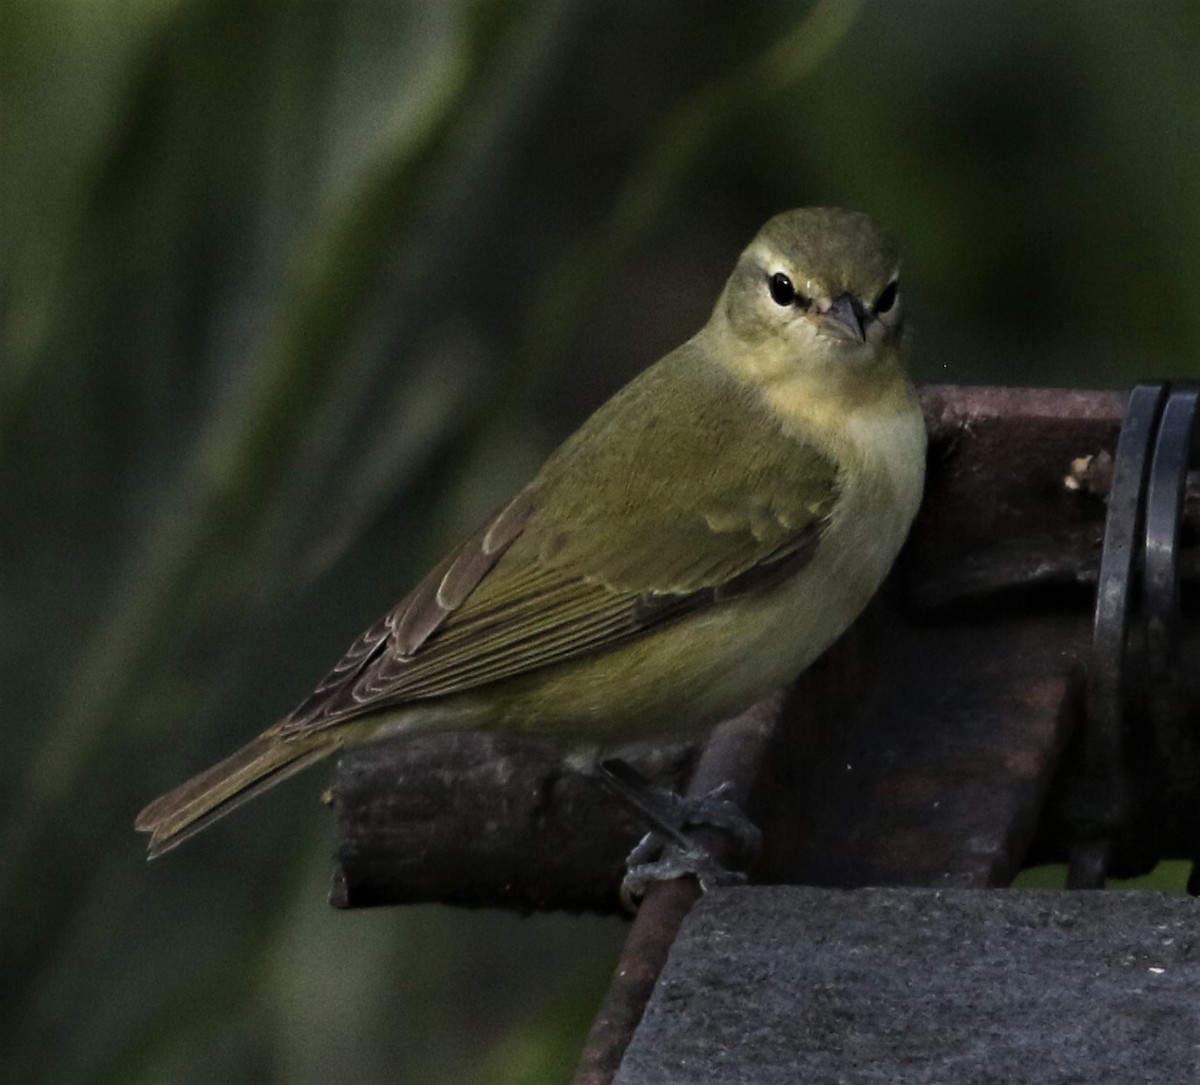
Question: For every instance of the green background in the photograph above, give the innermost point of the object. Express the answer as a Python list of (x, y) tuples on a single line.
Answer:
[(293, 292)]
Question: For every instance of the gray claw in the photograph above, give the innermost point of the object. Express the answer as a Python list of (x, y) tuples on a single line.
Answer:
[(675, 862)]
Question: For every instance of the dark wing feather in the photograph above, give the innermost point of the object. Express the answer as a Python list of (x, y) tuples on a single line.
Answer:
[(401, 632), (446, 587)]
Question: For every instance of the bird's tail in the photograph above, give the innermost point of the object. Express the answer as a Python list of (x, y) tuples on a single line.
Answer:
[(193, 806)]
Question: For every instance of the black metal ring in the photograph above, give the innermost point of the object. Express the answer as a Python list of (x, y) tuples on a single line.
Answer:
[(1174, 447), (1123, 539)]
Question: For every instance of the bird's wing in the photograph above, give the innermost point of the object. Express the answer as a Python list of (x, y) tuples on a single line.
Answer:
[(570, 567)]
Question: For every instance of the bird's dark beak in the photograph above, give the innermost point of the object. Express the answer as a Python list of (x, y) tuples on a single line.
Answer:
[(844, 318)]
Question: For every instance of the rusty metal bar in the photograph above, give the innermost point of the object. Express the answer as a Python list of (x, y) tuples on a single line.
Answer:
[(734, 755)]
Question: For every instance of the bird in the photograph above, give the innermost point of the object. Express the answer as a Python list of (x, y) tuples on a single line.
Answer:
[(696, 544)]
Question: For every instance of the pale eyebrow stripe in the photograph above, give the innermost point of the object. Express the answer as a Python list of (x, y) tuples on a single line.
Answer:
[(764, 254)]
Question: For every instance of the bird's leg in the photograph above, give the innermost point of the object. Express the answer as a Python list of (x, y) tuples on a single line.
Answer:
[(667, 850), (669, 813)]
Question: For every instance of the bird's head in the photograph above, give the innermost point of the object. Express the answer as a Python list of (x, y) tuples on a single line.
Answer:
[(817, 287)]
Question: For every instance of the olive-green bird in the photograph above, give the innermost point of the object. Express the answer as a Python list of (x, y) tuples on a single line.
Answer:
[(695, 545)]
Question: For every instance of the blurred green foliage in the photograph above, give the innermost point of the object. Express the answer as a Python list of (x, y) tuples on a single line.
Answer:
[(291, 293), (1169, 876)]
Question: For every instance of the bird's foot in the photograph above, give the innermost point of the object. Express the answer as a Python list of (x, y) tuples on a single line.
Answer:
[(672, 862), (668, 851)]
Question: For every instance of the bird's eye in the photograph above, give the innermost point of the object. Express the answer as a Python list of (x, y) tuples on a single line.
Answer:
[(888, 298), (782, 291)]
